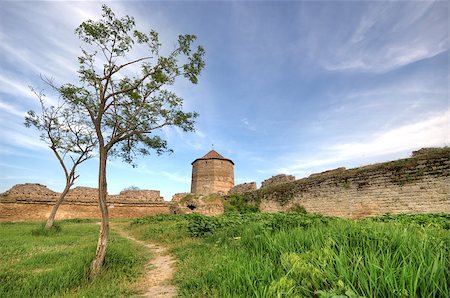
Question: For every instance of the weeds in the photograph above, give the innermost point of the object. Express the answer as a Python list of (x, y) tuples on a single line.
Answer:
[(42, 231), (296, 255)]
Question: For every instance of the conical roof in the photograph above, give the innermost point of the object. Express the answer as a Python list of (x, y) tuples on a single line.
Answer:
[(213, 155)]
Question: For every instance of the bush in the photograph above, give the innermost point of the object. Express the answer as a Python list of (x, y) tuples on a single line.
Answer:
[(239, 204), (201, 225), (438, 220), (296, 208)]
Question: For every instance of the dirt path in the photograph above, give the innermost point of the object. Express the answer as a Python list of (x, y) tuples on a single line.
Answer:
[(156, 282)]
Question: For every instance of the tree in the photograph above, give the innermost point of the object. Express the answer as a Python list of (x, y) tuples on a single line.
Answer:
[(67, 134), (126, 110), (132, 187)]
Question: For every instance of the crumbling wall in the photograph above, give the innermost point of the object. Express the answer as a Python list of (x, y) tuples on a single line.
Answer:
[(243, 188), (25, 202), (41, 211), (420, 184), (211, 204), (178, 196), (137, 196), (278, 179)]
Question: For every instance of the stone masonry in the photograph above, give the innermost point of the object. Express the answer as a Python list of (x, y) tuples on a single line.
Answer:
[(25, 202), (212, 173), (243, 188), (420, 184), (278, 179)]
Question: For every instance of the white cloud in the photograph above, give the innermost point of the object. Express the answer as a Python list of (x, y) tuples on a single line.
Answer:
[(14, 87), (176, 177), (12, 110), (247, 124), (16, 138), (431, 132), (385, 39)]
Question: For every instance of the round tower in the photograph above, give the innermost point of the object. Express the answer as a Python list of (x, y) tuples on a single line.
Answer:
[(212, 173)]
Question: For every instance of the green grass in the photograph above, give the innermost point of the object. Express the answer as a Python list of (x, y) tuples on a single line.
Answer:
[(295, 255), (237, 255), (37, 263)]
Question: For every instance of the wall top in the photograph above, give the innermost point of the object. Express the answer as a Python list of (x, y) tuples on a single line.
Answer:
[(212, 155)]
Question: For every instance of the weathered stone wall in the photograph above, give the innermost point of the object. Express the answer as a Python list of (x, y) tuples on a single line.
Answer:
[(211, 204), (212, 176), (41, 211), (278, 179), (137, 196), (243, 188), (31, 192), (178, 196), (25, 202), (420, 184)]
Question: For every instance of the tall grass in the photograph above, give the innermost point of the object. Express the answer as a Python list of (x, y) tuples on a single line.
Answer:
[(34, 263), (292, 255)]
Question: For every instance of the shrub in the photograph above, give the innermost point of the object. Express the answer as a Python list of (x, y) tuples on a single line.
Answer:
[(297, 208), (201, 225), (239, 204)]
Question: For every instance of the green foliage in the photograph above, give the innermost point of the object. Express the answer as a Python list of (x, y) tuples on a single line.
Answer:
[(201, 225), (55, 264), (238, 204), (297, 208), (438, 220), (294, 255), (127, 110), (282, 193), (132, 187)]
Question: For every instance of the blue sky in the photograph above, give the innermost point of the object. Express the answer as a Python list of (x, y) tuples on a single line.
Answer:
[(289, 87)]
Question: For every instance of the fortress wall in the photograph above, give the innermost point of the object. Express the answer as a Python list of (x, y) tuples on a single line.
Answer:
[(278, 179), (41, 211), (243, 188), (420, 184), (26, 202)]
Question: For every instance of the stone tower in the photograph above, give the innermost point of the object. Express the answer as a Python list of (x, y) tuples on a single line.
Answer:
[(212, 173)]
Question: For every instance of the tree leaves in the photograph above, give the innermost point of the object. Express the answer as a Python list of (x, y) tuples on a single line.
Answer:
[(128, 110)]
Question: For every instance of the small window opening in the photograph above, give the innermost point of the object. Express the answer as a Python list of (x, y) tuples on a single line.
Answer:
[(191, 206)]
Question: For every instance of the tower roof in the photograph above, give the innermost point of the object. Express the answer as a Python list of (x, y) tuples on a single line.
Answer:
[(213, 155)]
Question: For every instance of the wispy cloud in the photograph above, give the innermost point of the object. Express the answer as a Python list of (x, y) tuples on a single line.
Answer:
[(384, 39), (176, 177), (247, 124), (11, 109), (434, 131), (22, 140)]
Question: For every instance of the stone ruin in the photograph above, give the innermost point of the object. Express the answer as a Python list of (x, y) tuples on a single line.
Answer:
[(38, 193), (329, 173), (178, 196), (183, 203), (29, 192), (137, 196), (243, 188), (278, 179)]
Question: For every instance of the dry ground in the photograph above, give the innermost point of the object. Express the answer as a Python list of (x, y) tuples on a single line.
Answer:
[(156, 281)]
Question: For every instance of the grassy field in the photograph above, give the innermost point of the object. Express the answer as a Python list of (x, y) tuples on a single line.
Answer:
[(55, 264), (295, 255), (237, 255)]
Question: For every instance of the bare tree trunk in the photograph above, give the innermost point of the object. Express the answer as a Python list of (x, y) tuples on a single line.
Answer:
[(51, 218), (97, 263)]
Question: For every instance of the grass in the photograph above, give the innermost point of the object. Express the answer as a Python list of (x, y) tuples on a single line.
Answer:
[(237, 255), (297, 255), (39, 263)]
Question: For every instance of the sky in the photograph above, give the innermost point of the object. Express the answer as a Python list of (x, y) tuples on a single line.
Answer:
[(289, 87)]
